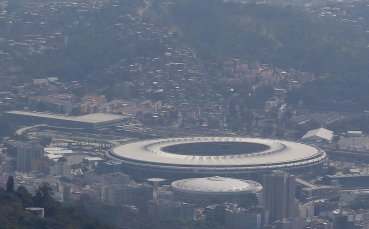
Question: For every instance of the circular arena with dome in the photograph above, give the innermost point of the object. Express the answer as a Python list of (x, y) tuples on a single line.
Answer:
[(214, 189), (215, 156)]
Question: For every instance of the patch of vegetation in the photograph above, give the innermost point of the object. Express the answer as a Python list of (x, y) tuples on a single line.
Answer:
[(13, 213)]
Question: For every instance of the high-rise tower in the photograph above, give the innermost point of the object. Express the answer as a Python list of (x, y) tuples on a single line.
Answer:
[(278, 195), (29, 156)]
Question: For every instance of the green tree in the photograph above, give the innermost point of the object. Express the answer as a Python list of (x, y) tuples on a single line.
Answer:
[(43, 198), (5, 128), (45, 141), (24, 196), (10, 184), (249, 201)]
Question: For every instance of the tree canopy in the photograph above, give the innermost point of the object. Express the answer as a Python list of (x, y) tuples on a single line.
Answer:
[(13, 213)]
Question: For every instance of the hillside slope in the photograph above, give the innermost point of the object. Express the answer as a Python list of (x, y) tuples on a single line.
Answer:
[(280, 36)]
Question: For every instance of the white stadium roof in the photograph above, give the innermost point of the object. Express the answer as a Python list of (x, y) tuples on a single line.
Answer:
[(277, 155), (89, 118), (321, 133)]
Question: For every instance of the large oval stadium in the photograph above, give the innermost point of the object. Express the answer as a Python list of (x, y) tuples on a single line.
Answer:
[(214, 156)]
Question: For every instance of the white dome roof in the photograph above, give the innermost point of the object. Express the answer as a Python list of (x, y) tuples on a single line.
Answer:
[(216, 185)]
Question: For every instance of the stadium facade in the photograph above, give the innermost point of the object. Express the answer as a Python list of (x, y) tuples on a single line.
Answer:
[(215, 156)]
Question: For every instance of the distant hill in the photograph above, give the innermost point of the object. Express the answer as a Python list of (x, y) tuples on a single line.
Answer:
[(275, 35), (284, 37), (216, 31)]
